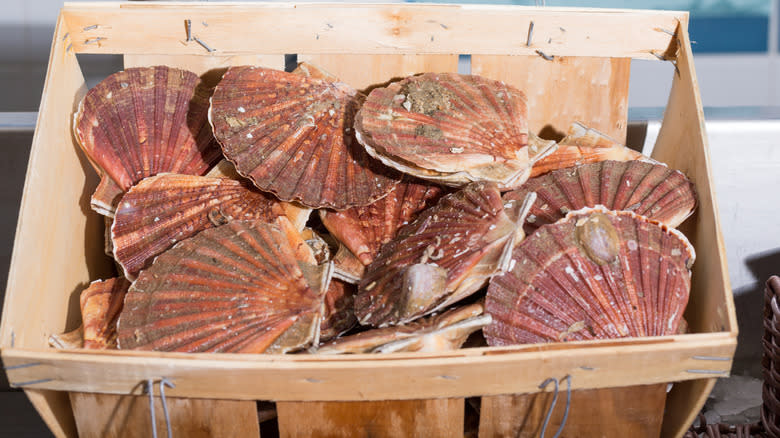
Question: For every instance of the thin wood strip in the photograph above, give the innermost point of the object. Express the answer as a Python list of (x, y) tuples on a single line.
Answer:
[(55, 410), (204, 64), (564, 90), (364, 71), (401, 379), (421, 418), (382, 29)]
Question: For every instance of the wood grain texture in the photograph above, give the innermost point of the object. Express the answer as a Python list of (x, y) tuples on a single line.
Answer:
[(128, 416), (203, 64), (55, 410), (632, 411), (421, 418), (365, 71), (591, 90)]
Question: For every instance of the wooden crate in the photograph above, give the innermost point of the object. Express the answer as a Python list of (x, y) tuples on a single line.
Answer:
[(575, 67)]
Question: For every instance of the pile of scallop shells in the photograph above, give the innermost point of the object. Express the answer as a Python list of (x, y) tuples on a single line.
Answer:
[(439, 215)]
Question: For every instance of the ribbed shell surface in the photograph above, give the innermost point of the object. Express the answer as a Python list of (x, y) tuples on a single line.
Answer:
[(339, 314), (143, 121), (164, 209), (469, 127), (292, 136), (365, 229), (595, 274), (100, 305), (648, 189), (235, 288), (444, 255)]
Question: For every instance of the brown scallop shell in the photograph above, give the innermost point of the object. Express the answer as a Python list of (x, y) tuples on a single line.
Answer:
[(164, 209), (443, 256), (240, 288), (101, 304), (68, 340), (364, 229), (595, 274), (444, 332), (143, 121), (584, 145), (339, 314), (450, 128), (292, 136), (652, 190), (346, 266)]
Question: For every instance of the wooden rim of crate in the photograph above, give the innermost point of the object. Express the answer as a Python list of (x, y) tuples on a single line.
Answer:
[(231, 32)]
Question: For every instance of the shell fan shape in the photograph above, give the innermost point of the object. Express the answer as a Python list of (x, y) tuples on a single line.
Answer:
[(648, 189), (451, 129), (595, 274), (143, 121), (240, 288), (443, 256), (164, 209), (292, 136)]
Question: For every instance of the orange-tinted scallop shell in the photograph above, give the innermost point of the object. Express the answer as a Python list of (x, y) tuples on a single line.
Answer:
[(101, 304), (143, 121), (292, 136), (595, 274), (164, 209), (443, 256), (240, 288), (451, 128), (364, 229), (648, 189)]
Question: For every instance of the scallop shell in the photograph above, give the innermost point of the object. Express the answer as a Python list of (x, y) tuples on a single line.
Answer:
[(652, 190), (101, 304), (451, 128), (68, 340), (241, 287), (346, 266), (164, 209), (365, 229), (339, 314), (443, 256), (584, 145), (595, 274), (144, 121), (444, 332), (291, 135)]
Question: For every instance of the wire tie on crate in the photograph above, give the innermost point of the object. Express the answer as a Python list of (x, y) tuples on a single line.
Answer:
[(188, 26), (530, 34), (64, 37), (719, 358), (722, 373), (24, 365), (150, 390), (552, 405), (545, 56), (30, 382), (163, 383), (666, 31), (94, 26), (93, 40), (203, 44)]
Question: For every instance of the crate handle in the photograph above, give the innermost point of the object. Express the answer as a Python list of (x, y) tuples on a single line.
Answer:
[(552, 405), (150, 390)]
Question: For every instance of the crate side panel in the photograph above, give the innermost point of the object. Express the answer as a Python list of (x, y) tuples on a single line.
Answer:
[(367, 28), (684, 402), (365, 71), (59, 241), (127, 416), (55, 410), (682, 144), (433, 417), (563, 90), (634, 411)]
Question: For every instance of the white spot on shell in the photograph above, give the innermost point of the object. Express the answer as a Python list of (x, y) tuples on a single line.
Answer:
[(598, 277), (249, 135), (512, 264), (632, 245), (241, 109), (157, 219), (569, 270), (530, 219), (628, 183), (127, 205), (407, 105), (123, 84), (109, 95), (456, 150), (331, 112), (676, 252)]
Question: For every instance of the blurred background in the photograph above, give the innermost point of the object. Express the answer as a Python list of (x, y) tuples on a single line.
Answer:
[(738, 69)]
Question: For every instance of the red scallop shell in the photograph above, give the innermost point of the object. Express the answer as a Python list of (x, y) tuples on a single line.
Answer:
[(363, 230), (648, 189), (450, 128), (240, 288), (164, 209), (581, 146), (101, 304), (143, 121), (595, 274), (443, 256), (292, 136)]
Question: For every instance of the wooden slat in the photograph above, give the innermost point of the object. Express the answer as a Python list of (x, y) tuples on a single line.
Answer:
[(566, 90), (303, 379), (633, 411), (55, 410), (363, 71), (202, 64), (370, 28), (128, 416), (422, 418)]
